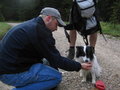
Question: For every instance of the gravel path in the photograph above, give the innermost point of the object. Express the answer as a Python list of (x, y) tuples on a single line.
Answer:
[(108, 54)]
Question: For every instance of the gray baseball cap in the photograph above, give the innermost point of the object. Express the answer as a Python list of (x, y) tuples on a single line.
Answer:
[(53, 12)]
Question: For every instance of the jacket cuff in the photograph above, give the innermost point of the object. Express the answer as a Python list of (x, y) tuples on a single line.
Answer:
[(79, 67)]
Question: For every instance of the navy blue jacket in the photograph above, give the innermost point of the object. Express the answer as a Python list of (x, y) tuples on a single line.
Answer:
[(26, 44)]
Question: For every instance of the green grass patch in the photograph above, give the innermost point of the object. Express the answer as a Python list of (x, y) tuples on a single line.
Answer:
[(111, 29), (4, 27)]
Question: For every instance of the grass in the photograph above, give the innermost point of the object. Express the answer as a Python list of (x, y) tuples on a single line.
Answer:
[(3, 29), (111, 29)]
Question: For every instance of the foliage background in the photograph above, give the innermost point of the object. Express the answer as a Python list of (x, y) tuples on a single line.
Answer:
[(20, 10)]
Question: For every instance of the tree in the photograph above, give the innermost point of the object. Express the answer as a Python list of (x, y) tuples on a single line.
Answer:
[(27, 9), (1, 13), (115, 16), (105, 8)]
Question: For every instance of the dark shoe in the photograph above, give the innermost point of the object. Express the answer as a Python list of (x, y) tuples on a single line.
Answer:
[(71, 53), (55, 88), (45, 61)]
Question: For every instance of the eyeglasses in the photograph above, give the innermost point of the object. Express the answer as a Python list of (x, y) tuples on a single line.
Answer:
[(55, 18)]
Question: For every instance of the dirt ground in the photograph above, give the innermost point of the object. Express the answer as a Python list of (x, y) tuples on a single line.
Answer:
[(108, 54)]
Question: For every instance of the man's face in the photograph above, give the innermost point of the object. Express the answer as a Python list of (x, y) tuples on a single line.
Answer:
[(52, 23)]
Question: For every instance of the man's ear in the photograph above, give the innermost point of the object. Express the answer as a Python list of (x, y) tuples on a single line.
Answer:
[(48, 18)]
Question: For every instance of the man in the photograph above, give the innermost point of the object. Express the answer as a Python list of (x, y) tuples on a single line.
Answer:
[(77, 22), (23, 48)]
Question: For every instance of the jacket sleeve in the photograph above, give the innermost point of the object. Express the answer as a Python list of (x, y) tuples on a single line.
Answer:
[(56, 60), (63, 62)]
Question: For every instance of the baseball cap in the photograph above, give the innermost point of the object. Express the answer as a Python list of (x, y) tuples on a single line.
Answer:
[(53, 12)]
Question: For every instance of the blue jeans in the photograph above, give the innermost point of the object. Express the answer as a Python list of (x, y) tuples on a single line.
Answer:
[(38, 77)]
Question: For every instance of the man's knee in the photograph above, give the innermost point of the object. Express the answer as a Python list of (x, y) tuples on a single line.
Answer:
[(56, 81), (60, 77)]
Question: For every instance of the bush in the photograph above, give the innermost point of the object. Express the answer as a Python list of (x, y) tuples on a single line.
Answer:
[(115, 17), (1, 15), (2, 18)]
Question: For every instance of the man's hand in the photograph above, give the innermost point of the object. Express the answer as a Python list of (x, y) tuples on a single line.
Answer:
[(86, 66)]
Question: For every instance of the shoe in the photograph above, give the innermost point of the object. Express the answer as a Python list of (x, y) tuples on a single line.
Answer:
[(55, 88), (45, 61), (71, 53)]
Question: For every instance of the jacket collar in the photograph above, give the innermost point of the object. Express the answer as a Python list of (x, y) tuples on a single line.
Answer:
[(42, 29)]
